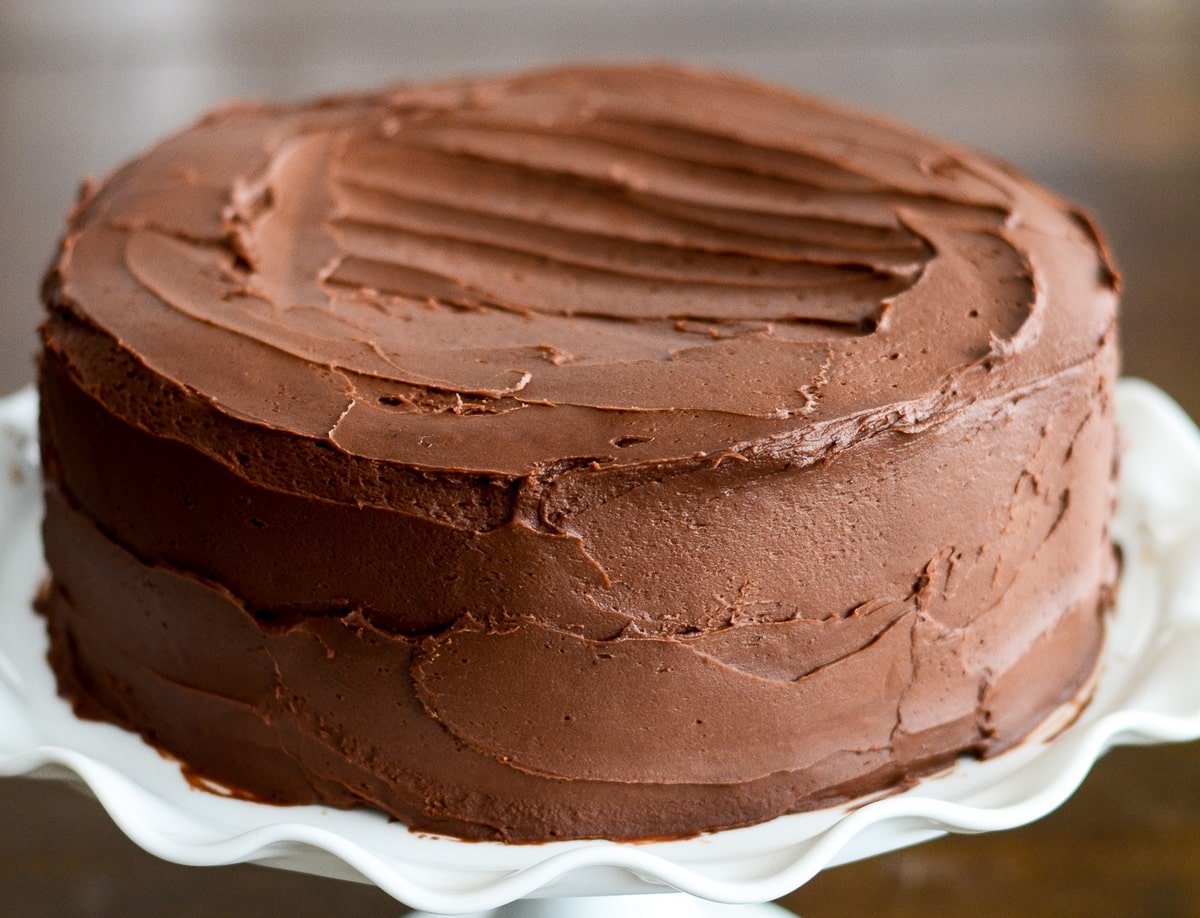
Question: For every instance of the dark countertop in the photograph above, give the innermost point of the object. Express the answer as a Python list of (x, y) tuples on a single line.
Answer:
[(1101, 101)]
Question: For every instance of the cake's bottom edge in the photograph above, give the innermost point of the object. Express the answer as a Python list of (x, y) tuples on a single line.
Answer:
[(262, 777), (279, 718)]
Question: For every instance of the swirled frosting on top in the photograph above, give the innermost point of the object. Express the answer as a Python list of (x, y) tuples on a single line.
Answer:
[(618, 265)]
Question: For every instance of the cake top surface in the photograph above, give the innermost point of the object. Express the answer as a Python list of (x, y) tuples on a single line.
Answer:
[(612, 264)]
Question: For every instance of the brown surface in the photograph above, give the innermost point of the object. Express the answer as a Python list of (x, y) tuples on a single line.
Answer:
[(1096, 101), (931, 380)]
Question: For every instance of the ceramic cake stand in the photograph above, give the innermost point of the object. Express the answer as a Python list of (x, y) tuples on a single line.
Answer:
[(1147, 690)]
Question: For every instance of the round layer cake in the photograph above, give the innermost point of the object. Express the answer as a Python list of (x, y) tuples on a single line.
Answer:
[(614, 451)]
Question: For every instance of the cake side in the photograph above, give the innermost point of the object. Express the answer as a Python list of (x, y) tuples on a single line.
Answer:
[(746, 719), (776, 467)]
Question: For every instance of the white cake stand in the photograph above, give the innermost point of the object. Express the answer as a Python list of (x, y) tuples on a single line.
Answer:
[(1147, 690)]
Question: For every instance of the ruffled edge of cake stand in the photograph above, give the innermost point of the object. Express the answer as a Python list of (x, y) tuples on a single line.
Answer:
[(1146, 690)]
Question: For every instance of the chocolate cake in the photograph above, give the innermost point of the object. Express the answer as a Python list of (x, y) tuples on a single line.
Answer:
[(621, 451)]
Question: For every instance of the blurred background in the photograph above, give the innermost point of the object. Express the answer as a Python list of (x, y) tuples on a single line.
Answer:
[(1098, 100)]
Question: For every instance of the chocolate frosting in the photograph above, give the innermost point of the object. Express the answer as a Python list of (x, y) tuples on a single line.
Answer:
[(604, 451)]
